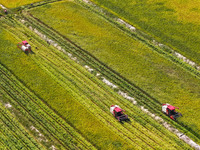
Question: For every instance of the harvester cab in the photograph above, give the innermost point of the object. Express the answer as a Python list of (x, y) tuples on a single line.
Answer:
[(118, 113), (24, 46), (170, 111)]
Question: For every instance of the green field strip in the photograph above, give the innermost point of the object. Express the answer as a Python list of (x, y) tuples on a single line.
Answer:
[(53, 122), (32, 121), (143, 37), (161, 22), (20, 140), (144, 100)]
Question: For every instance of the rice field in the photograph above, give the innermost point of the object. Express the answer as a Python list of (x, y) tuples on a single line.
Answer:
[(174, 22), (135, 61), (58, 97)]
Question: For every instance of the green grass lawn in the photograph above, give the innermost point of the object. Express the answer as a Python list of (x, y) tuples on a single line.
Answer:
[(174, 22), (159, 77)]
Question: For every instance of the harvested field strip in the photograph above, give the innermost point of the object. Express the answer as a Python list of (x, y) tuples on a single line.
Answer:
[(52, 123), (54, 71), (14, 135)]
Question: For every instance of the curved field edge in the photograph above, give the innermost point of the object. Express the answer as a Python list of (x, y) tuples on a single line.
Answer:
[(39, 56), (180, 83)]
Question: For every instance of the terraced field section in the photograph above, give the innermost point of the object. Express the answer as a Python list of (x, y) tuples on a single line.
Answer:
[(63, 105), (166, 81)]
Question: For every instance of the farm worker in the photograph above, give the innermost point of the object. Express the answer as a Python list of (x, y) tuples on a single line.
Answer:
[(5, 11), (29, 47)]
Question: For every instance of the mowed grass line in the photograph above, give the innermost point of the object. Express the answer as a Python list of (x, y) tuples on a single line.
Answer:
[(31, 74), (161, 78)]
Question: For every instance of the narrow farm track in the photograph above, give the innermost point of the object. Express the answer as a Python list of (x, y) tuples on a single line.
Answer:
[(143, 98), (38, 111), (86, 85)]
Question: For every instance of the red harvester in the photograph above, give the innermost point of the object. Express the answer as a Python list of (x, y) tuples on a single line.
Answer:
[(118, 113), (170, 111)]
